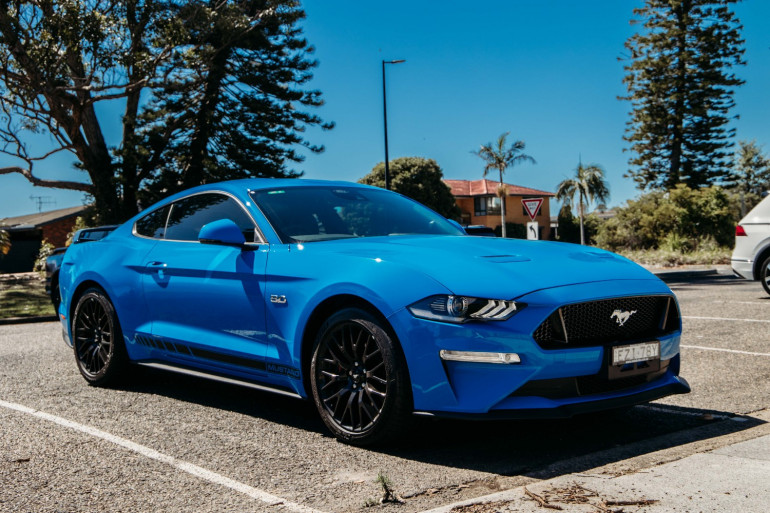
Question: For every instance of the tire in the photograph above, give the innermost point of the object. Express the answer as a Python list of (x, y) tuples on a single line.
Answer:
[(97, 340), (764, 275), (359, 379)]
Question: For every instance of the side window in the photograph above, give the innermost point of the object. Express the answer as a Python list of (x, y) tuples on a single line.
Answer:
[(188, 216), (153, 224)]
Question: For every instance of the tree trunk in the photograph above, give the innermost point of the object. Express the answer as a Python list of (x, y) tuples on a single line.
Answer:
[(580, 214), (502, 194), (130, 166), (195, 172), (677, 130)]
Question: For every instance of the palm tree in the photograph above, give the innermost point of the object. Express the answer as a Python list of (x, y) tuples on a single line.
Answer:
[(498, 157), (589, 184), (5, 242)]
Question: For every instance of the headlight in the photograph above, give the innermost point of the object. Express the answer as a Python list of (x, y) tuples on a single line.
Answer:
[(461, 309)]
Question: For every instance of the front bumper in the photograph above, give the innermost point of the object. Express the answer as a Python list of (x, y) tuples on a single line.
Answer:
[(460, 388), (671, 386)]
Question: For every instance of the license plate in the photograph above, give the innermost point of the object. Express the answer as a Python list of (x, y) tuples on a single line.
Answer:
[(634, 353)]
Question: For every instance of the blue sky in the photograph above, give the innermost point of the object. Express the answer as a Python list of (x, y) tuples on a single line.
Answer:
[(548, 72)]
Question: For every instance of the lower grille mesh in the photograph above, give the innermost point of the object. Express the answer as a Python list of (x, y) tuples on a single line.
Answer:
[(565, 388)]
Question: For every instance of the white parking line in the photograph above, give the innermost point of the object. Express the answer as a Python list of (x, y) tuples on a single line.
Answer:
[(704, 348), (195, 470), (723, 319)]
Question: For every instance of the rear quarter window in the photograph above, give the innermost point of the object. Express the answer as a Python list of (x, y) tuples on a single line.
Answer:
[(153, 225)]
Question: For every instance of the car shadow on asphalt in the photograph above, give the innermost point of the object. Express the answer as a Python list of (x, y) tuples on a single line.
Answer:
[(548, 448), (536, 448)]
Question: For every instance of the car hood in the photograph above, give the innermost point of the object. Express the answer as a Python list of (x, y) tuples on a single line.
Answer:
[(491, 267)]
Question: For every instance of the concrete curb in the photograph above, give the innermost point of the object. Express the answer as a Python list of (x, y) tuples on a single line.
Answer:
[(28, 320)]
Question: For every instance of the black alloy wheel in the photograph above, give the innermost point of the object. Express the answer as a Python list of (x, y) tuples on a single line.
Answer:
[(359, 381), (764, 275), (97, 339)]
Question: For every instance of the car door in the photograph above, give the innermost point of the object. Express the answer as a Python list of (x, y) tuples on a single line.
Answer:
[(206, 301)]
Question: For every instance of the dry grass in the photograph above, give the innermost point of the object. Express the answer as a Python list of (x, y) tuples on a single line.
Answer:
[(669, 258)]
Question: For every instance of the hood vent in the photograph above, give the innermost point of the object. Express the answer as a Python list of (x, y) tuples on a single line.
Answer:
[(503, 259)]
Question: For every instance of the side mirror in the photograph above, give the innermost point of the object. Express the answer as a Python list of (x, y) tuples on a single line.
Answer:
[(223, 232)]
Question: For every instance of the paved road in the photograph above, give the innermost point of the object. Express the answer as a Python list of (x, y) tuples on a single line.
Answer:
[(177, 443)]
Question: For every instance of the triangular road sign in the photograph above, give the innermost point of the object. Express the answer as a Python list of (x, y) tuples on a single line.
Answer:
[(532, 206)]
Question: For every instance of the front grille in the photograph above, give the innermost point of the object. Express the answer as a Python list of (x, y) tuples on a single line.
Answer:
[(606, 321)]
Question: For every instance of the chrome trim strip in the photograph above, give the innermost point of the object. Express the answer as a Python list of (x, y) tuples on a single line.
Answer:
[(481, 357), (665, 316), (221, 379), (563, 327)]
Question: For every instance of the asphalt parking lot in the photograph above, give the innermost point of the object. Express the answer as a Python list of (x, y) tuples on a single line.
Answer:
[(176, 443)]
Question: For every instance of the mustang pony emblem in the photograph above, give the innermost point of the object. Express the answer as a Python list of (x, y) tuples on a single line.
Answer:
[(621, 317)]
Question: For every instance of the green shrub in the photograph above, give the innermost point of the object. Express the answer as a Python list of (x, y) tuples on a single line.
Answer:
[(5, 243), (681, 220), (569, 226), (80, 224), (512, 230), (46, 249)]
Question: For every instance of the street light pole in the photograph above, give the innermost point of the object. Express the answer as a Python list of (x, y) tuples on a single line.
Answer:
[(385, 120)]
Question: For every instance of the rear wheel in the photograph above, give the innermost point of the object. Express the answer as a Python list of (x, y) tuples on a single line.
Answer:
[(764, 275), (359, 379), (97, 340)]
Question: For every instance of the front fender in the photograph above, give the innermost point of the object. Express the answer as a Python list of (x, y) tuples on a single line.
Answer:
[(305, 280)]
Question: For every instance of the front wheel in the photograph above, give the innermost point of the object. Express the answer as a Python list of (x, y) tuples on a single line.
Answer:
[(764, 275), (359, 379), (97, 340)]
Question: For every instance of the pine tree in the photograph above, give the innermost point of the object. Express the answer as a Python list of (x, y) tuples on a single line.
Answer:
[(210, 90), (230, 98), (751, 169), (680, 83)]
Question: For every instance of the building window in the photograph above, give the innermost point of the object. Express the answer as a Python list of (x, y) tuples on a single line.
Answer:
[(486, 206)]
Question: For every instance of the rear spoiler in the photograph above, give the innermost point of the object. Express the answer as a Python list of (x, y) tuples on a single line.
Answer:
[(93, 234)]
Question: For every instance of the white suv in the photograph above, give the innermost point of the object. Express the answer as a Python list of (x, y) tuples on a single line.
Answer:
[(751, 257)]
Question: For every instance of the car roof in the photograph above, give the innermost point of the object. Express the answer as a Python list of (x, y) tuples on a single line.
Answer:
[(254, 184)]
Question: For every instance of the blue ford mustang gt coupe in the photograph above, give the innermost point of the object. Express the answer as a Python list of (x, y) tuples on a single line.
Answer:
[(369, 303)]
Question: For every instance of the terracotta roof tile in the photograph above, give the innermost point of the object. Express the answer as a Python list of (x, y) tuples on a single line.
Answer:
[(470, 188)]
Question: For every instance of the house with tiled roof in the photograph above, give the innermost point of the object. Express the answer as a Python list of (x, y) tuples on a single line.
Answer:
[(27, 233), (480, 204)]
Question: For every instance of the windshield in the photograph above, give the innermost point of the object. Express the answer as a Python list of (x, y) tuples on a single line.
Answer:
[(307, 214)]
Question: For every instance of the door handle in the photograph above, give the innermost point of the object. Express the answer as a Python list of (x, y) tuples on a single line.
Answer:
[(158, 267)]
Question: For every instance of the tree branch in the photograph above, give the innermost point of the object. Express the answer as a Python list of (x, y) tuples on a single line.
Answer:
[(58, 184)]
